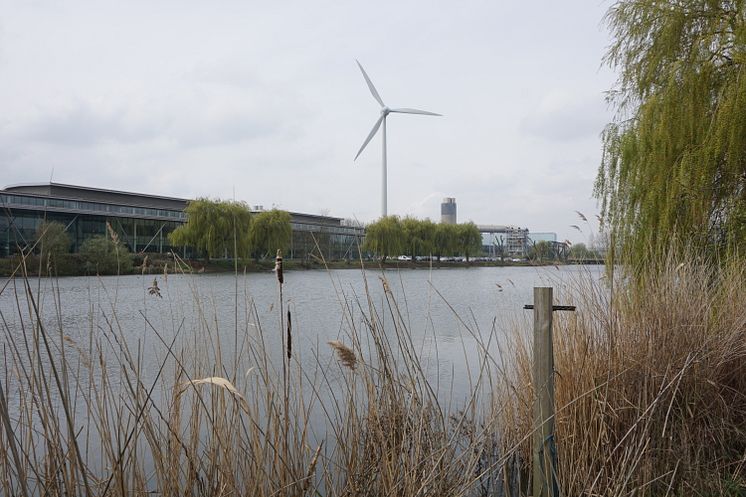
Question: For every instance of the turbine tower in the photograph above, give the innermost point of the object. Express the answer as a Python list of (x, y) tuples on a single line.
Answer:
[(385, 111)]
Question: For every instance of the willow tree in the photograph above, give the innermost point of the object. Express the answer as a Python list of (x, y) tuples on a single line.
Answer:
[(418, 235), (385, 237), (446, 240), (468, 239), (217, 228), (270, 231), (674, 163)]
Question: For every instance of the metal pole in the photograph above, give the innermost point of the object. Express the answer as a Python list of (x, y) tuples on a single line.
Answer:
[(384, 187), (543, 449)]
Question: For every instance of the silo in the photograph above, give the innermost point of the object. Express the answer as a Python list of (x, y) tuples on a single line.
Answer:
[(448, 211)]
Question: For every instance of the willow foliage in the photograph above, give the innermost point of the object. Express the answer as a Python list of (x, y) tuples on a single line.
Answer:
[(385, 237), (216, 228), (270, 231), (674, 163)]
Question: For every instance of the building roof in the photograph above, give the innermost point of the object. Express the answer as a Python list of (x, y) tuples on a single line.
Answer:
[(118, 197), (89, 194)]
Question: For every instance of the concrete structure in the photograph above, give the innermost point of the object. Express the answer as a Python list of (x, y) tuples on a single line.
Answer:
[(448, 211), (504, 241), (143, 221)]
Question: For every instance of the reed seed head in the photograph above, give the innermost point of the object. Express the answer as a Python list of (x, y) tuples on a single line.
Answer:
[(346, 355)]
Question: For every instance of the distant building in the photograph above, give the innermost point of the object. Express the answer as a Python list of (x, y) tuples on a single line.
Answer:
[(504, 241), (143, 221), (542, 237), (448, 211)]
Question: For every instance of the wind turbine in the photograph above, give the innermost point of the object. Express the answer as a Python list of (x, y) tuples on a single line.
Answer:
[(385, 111)]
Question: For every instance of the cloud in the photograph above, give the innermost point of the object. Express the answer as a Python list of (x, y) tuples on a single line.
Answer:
[(562, 117), (81, 125), (183, 120)]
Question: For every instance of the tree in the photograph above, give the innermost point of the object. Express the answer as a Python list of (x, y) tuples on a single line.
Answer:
[(542, 251), (412, 242), (52, 240), (426, 237), (216, 228), (445, 240), (580, 251), (270, 231), (385, 237), (102, 255), (419, 236), (674, 163), (469, 239)]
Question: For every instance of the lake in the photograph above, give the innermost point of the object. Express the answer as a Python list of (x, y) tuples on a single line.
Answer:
[(447, 312), (109, 342)]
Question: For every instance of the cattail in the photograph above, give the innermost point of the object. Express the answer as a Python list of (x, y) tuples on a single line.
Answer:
[(278, 267), (290, 336), (345, 354)]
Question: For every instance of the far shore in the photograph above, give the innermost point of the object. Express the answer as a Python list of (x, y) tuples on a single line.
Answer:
[(71, 265)]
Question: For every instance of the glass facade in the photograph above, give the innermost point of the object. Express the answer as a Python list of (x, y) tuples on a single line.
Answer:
[(329, 242), (145, 229), (11, 201)]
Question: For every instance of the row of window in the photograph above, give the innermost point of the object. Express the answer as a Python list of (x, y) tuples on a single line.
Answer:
[(22, 200), (316, 228)]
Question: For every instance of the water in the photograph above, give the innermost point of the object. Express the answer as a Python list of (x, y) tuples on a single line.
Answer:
[(216, 324), (447, 312)]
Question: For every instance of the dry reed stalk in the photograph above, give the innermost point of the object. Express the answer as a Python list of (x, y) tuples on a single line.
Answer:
[(388, 433), (290, 337), (346, 356), (651, 392)]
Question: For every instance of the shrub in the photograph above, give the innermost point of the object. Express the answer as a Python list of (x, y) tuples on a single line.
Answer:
[(101, 255)]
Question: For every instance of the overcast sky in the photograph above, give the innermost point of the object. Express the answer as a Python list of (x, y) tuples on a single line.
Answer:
[(191, 99)]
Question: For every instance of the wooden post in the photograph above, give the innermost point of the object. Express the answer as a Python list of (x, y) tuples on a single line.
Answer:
[(543, 448)]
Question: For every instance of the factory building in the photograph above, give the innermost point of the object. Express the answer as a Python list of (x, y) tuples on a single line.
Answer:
[(143, 221)]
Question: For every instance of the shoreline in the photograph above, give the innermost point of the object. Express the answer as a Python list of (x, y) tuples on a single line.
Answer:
[(71, 265)]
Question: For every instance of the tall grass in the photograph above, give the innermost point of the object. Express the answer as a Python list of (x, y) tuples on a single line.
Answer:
[(82, 414), (651, 399), (650, 387)]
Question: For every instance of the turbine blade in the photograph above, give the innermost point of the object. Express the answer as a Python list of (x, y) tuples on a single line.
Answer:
[(415, 111), (370, 85), (370, 136)]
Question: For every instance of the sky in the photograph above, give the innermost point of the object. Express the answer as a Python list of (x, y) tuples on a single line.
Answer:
[(263, 102)]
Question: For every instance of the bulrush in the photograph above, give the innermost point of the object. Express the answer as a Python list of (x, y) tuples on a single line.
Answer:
[(278, 267)]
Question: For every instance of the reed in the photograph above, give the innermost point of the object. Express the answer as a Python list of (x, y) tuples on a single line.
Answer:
[(650, 387), (197, 423), (650, 384)]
